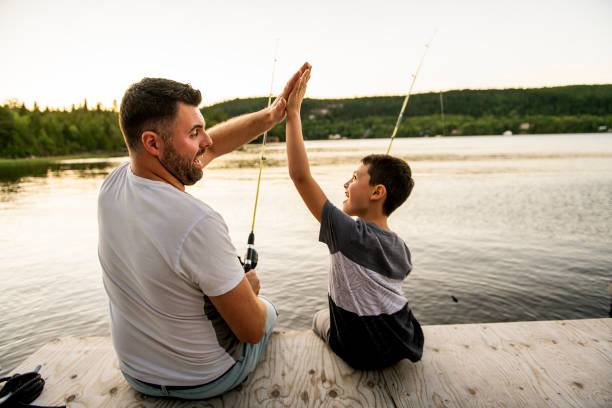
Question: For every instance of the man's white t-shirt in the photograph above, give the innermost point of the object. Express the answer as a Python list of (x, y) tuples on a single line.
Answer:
[(163, 252)]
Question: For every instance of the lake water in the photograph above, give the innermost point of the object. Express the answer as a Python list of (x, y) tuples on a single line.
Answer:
[(515, 228)]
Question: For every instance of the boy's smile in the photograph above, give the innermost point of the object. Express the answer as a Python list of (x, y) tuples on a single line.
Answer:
[(357, 190)]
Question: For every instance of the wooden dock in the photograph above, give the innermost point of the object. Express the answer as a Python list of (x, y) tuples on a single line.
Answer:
[(522, 364)]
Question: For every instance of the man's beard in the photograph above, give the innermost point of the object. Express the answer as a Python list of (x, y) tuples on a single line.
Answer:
[(183, 169)]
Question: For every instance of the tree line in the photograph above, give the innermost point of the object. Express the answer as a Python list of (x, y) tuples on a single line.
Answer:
[(568, 109), (25, 133)]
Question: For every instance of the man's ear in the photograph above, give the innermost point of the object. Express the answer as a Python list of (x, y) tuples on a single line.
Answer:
[(379, 192), (151, 142)]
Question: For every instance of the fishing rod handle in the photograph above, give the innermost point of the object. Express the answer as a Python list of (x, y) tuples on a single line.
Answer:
[(251, 257)]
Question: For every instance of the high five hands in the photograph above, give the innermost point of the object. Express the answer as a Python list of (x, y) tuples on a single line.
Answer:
[(279, 106)]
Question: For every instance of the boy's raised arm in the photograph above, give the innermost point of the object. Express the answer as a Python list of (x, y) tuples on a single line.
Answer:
[(233, 133), (297, 159)]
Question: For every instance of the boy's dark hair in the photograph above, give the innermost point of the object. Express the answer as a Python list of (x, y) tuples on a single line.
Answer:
[(393, 173), (151, 104)]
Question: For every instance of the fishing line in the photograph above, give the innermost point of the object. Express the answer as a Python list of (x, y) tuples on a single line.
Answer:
[(414, 77), (250, 259)]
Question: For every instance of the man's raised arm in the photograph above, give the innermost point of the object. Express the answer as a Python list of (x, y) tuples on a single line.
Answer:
[(233, 133)]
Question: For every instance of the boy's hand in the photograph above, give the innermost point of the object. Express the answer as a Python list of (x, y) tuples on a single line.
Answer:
[(292, 81), (277, 109), (294, 102)]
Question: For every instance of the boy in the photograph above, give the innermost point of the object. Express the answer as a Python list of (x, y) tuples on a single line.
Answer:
[(368, 324)]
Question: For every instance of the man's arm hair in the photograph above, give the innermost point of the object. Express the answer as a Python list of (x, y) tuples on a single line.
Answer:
[(235, 132), (243, 312), (231, 134)]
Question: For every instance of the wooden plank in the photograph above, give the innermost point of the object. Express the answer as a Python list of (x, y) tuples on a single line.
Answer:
[(523, 364), (79, 372), (561, 363), (298, 369)]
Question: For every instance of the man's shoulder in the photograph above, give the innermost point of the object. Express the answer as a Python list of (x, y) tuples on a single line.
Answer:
[(124, 191), (117, 172), (120, 170)]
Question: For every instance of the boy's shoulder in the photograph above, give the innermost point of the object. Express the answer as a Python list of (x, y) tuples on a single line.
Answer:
[(365, 243), (361, 227)]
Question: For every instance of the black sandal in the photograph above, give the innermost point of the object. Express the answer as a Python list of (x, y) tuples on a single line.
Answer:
[(21, 389)]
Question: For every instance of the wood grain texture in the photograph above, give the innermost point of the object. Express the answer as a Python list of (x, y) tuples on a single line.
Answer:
[(522, 364)]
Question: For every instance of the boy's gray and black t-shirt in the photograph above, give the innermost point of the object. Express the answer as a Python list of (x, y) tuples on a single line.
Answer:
[(371, 325)]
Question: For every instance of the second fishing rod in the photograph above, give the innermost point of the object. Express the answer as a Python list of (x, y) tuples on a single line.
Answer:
[(414, 77)]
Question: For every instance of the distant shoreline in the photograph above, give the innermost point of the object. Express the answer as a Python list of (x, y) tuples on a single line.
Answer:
[(558, 110)]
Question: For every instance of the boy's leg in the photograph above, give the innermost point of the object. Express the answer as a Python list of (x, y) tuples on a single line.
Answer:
[(320, 324), (231, 379)]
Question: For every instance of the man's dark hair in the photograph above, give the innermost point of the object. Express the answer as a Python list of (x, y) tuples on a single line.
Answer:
[(393, 173), (152, 104)]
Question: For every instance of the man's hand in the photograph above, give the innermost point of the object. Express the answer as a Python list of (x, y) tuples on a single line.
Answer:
[(277, 109), (253, 280)]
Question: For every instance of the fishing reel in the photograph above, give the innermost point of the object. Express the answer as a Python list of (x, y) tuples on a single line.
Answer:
[(251, 257)]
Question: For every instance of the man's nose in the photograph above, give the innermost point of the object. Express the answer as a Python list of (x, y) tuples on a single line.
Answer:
[(206, 140)]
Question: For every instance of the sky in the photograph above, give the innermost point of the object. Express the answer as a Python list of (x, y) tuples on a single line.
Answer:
[(60, 52)]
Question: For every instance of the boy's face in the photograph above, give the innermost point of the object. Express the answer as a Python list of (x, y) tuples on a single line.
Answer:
[(358, 191)]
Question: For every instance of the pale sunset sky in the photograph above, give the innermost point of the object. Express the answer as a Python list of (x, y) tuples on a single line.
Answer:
[(59, 52)]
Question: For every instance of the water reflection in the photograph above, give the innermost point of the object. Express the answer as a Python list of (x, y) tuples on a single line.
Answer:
[(15, 178), (14, 173), (444, 151), (515, 228)]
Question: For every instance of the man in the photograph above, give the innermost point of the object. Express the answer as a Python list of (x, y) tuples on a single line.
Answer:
[(186, 320)]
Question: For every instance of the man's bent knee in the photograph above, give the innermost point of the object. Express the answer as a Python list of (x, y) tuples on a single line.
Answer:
[(271, 315)]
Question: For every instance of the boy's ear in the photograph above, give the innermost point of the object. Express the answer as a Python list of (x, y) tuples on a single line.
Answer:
[(151, 142), (378, 193)]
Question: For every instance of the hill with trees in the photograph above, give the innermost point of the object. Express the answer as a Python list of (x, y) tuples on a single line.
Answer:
[(25, 133), (566, 109)]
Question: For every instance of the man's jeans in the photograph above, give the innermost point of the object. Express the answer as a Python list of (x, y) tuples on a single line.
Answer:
[(231, 379)]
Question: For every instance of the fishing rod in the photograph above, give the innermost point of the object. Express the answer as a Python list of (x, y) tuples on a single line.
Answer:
[(414, 76), (251, 257)]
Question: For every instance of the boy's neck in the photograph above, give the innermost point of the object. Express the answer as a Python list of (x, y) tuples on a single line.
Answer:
[(379, 219)]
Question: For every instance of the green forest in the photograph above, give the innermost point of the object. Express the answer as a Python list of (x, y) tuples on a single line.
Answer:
[(26, 133), (566, 109)]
